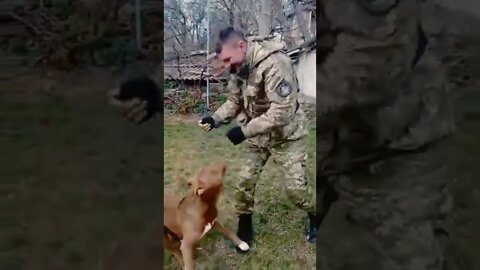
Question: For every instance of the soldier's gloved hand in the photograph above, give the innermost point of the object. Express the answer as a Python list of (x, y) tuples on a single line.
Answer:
[(134, 110), (136, 99), (207, 123), (235, 135)]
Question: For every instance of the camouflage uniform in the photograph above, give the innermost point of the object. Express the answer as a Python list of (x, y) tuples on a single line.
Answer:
[(383, 119), (263, 99)]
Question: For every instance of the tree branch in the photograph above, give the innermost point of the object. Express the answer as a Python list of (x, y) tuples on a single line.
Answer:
[(36, 30), (178, 63), (174, 36)]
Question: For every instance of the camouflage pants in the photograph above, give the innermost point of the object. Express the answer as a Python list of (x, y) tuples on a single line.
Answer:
[(390, 214), (292, 157)]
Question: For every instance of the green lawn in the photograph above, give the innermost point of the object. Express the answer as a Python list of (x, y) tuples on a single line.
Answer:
[(280, 242), (75, 177)]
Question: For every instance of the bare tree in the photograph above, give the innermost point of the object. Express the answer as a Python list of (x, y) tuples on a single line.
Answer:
[(303, 17), (230, 8), (264, 18), (185, 20), (175, 22)]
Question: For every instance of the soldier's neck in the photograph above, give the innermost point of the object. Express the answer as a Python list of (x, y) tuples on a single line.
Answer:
[(247, 62)]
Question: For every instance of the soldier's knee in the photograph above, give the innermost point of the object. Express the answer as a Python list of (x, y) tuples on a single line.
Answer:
[(245, 185), (301, 198), (244, 203), (244, 193), (247, 176)]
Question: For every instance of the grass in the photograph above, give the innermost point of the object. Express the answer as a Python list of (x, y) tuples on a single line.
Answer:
[(75, 177), (464, 157), (280, 242)]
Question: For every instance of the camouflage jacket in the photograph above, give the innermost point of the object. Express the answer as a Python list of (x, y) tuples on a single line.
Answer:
[(263, 96), (373, 90)]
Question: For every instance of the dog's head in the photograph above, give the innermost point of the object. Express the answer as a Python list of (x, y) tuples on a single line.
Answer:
[(209, 179)]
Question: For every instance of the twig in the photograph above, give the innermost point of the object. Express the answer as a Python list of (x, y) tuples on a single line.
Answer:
[(38, 60), (34, 28), (174, 36)]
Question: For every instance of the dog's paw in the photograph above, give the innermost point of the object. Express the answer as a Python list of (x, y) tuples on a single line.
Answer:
[(244, 246)]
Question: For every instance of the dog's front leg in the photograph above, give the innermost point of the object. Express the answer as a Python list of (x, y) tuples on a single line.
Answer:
[(178, 255), (187, 247), (232, 236)]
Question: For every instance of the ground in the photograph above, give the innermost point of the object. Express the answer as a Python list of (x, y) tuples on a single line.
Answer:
[(280, 241), (74, 176)]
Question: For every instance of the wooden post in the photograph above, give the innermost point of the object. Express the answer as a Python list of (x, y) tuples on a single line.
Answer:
[(138, 24)]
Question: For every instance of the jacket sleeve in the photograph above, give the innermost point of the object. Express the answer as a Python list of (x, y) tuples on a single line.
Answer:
[(280, 86), (231, 107)]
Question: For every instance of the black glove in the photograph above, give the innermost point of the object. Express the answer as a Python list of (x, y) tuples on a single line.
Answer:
[(207, 123), (235, 135), (148, 94)]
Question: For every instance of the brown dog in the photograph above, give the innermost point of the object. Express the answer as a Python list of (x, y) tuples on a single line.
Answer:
[(188, 219)]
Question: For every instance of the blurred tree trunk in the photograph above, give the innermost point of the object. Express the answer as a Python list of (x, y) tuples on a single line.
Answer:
[(264, 18), (303, 19)]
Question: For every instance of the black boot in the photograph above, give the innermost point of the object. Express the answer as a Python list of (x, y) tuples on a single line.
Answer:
[(245, 229), (311, 230)]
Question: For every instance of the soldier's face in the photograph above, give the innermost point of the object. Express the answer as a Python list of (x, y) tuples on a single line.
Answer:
[(233, 54)]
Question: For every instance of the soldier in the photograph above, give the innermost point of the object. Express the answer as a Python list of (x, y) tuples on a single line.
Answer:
[(263, 97), (383, 116)]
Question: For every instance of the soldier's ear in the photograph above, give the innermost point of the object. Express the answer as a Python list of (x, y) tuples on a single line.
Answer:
[(242, 44)]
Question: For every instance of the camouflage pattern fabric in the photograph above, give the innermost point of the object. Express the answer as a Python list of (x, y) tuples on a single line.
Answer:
[(291, 157), (382, 181), (367, 87), (391, 213), (263, 97)]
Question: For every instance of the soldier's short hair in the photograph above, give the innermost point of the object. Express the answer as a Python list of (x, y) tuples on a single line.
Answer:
[(229, 33)]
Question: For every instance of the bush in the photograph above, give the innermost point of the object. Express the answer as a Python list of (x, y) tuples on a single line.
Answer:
[(187, 102)]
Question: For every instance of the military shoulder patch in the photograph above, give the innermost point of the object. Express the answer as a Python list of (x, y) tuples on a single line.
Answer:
[(283, 89), (378, 6)]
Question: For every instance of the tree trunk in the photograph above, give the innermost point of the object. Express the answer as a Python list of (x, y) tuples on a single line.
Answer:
[(303, 23), (264, 18)]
